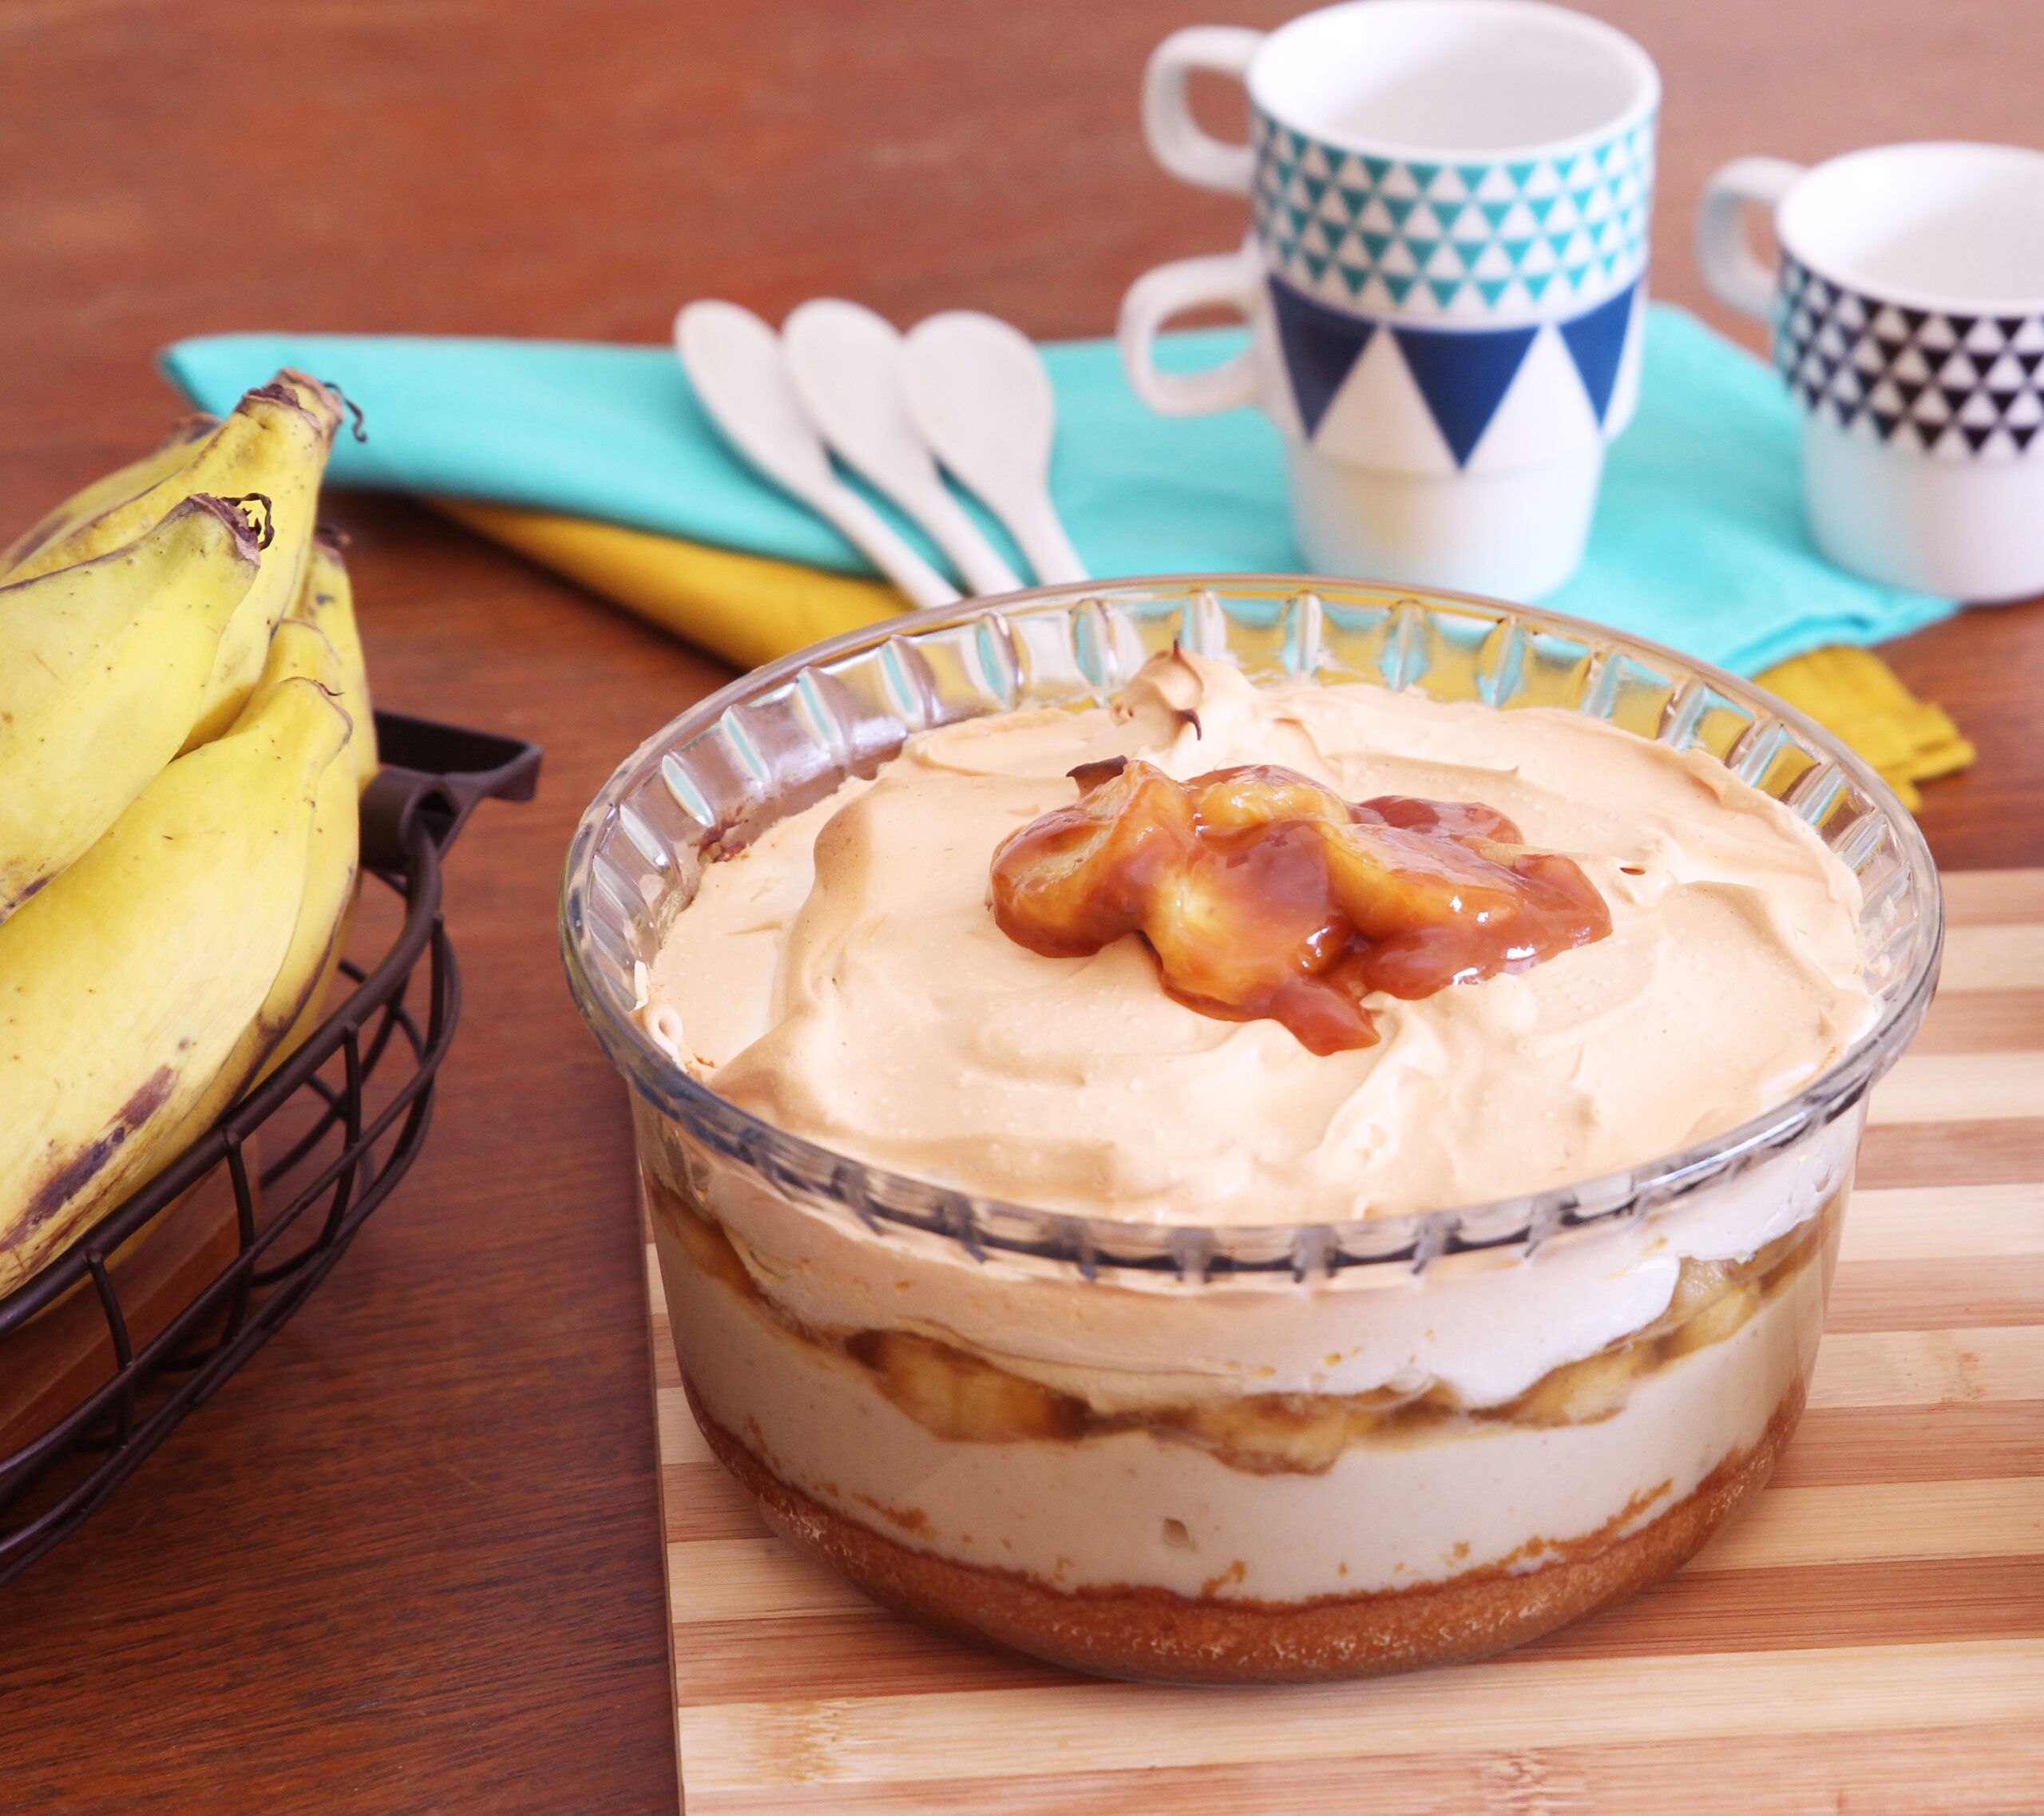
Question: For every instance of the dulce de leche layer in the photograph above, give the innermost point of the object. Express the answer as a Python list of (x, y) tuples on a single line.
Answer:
[(844, 976)]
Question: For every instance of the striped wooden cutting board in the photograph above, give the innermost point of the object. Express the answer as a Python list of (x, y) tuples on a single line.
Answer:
[(1869, 1637)]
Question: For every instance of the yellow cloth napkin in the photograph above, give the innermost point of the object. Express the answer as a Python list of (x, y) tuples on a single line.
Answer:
[(747, 608), (750, 609), (1854, 693)]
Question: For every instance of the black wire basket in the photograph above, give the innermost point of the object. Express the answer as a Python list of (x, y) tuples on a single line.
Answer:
[(142, 1317)]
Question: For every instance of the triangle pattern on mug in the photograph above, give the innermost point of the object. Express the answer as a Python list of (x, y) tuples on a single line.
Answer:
[(1320, 345), (1546, 414), (1463, 373), (1956, 385), (1556, 382), (1379, 418), (1476, 240), (1595, 340)]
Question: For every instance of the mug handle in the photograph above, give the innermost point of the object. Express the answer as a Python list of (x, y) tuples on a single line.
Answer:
[(1175, 141), (1228, 280), (1735, 275)]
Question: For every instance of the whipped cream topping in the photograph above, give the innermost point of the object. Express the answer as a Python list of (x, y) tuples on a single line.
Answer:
[(843, 978)]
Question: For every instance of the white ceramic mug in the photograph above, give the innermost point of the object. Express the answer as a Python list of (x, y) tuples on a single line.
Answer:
[(1907, 303), (1446, 279)]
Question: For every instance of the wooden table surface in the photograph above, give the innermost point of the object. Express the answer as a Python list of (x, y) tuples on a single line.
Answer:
[(409, 1560)]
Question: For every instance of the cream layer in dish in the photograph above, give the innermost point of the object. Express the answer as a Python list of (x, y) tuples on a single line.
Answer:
[(1486, 1325), (1146, 1507)]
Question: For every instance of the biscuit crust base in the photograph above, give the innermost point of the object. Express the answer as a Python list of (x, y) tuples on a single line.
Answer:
[(1152, 1634)]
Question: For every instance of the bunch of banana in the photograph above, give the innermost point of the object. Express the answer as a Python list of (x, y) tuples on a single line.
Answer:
[(184, 733)]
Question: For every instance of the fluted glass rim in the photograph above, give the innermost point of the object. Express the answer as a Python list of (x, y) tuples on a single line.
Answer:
[(616, 861)]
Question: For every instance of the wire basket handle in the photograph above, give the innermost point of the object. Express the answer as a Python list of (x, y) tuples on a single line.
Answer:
[(437, 774)]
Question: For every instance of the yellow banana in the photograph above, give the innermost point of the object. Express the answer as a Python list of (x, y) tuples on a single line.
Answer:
[(327, 599), (295, 1001), (332, 882), (297, 995), (103, 673), (274, 447), (127, 982), (117, 487)]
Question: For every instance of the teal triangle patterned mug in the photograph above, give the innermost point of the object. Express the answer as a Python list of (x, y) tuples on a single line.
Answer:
[(1444, 275)]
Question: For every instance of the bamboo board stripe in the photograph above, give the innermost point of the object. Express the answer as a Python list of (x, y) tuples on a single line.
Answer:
[(1864, 1775), (982, 1734), (1869, 1636), (1993, 958)]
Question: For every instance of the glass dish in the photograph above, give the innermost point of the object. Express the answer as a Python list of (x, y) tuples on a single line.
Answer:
[(990, 1416)]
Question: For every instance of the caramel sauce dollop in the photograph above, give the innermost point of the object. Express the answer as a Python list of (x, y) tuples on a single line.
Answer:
[(1262, 893)]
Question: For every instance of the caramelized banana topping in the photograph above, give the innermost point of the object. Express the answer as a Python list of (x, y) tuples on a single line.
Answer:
[(1262, 893)]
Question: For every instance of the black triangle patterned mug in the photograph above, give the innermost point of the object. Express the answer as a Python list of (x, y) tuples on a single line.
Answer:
[(1906, 303), (1445, 279)]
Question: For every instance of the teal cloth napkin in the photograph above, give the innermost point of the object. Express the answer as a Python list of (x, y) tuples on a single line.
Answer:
[(1699, 540)]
